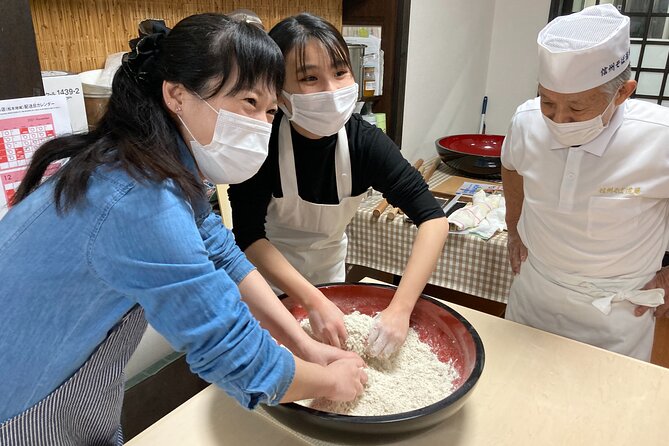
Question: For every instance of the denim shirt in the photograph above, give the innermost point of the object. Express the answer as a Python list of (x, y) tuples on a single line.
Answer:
[(67, 279)]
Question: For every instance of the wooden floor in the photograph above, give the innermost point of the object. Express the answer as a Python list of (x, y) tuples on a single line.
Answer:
[(660, 355)]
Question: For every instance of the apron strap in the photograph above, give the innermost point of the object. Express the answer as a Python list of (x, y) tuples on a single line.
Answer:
[(287, 160), (343, 165), (604, 298), (603, 292)]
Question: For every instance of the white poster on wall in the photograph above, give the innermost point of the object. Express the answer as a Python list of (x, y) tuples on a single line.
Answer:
[(25, 124)]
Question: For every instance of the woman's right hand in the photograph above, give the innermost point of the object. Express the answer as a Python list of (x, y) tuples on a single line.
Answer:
[(326, 320), (341, 380), (348, 379)]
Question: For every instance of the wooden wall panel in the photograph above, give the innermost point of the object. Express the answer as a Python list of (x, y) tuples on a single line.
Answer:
[(77, 35)]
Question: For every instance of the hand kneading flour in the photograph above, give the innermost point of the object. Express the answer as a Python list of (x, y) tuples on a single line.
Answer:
[(410, 379)]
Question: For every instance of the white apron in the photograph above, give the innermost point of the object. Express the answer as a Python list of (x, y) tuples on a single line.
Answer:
[(599, 312), (312, 236)]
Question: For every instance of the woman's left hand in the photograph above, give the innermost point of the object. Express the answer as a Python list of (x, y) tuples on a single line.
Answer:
[(327, 320), (387, 334), (324, 354)]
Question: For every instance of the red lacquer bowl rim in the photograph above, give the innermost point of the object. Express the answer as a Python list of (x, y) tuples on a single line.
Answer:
[(459, 393), (472, 144)]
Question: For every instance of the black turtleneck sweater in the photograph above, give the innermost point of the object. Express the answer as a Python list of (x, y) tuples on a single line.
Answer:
[(375, 161)]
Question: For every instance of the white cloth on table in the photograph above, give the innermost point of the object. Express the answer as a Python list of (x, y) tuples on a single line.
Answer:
[(484, 217)]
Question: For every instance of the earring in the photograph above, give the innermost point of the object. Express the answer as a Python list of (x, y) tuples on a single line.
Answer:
[(178, 109)]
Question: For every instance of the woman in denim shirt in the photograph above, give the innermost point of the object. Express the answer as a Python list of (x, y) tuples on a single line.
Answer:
[(124, 226)]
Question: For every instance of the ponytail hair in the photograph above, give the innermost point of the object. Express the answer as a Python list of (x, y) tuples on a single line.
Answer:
[(136, 133)]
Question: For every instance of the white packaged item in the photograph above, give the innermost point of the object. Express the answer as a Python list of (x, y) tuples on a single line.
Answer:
[(68, 84)]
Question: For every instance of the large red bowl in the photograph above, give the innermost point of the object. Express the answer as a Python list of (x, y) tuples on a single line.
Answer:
[(448, 333), (474, 155)]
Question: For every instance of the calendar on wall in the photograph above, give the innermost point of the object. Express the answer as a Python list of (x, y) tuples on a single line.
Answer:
[(25, 124)]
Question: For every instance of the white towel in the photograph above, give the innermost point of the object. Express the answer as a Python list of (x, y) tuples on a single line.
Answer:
[(483, 217)]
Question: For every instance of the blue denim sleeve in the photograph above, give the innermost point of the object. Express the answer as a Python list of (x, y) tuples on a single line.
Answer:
[(148, 248), (223, 251)]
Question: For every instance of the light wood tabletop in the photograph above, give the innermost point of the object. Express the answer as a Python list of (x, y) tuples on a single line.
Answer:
[(536, 389)]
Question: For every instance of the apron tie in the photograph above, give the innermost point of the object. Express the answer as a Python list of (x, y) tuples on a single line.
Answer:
[(605, 297), (582, 308)]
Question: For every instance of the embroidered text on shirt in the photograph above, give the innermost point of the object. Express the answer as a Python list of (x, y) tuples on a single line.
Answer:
[(629, 190)]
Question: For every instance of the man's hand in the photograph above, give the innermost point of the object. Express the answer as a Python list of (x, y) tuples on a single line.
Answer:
[(516, 250), (514, 195), (661, 280)]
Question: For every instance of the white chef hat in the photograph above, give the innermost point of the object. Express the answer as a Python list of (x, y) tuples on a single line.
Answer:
[(583, 50)]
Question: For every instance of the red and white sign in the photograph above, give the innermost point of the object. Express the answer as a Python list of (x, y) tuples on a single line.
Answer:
[(25, 124)]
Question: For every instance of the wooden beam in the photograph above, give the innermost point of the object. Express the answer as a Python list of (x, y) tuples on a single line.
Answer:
[(20, 75)]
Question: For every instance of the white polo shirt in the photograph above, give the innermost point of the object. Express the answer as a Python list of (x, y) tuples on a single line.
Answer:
[(600, 210)]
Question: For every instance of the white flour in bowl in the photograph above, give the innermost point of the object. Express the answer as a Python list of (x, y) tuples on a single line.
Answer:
[(410, 379)]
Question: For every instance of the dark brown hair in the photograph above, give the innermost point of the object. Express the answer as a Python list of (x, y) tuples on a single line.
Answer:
[(136, 132), (296, 31)]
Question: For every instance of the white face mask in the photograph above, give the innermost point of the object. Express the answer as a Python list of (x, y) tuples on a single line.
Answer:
[(323, 113), (237, 149), (577, 133)]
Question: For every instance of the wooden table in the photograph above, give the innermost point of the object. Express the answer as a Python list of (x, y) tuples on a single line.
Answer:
[(468, 263), (537, 389)]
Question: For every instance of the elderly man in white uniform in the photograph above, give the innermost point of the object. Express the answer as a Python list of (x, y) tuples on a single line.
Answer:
[(586, 179)]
